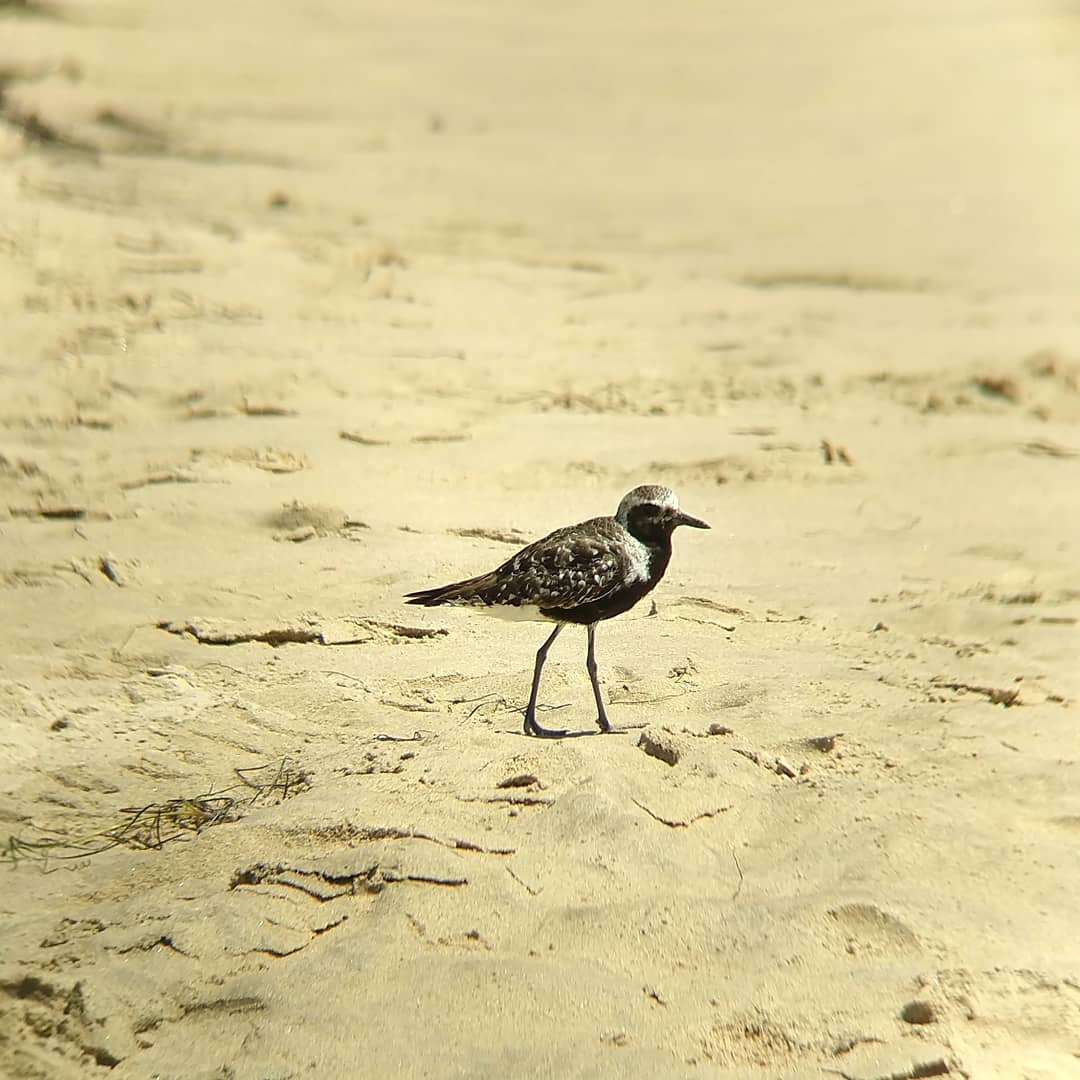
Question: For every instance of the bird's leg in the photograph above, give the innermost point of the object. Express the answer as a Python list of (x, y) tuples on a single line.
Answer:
[(590, 664), (531, 726)]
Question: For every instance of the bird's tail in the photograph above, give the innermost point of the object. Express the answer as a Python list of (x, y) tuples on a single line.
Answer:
[(459, 592)]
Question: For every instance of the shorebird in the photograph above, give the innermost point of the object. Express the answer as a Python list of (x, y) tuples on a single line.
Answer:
[(580, 574)]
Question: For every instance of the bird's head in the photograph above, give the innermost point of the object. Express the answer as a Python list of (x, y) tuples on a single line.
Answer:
[(651, 513)]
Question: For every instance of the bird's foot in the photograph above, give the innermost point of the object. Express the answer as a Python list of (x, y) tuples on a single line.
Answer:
[(603, 724), (533, 728)]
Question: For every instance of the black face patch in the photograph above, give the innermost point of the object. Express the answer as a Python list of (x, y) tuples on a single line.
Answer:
[(650, 523)]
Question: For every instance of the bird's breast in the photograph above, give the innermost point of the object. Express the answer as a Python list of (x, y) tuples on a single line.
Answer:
[(639, 561)]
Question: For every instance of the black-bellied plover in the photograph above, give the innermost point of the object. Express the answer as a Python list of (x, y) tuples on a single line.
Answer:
[(580, 574)]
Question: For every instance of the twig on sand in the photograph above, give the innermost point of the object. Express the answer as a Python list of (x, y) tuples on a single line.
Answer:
[(918, 1071), (524, 884), (152, 826), (672, 823)]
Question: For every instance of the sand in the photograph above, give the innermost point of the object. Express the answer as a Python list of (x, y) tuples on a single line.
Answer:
[(308, 305)]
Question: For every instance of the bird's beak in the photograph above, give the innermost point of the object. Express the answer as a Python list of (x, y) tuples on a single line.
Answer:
[(693, 522)]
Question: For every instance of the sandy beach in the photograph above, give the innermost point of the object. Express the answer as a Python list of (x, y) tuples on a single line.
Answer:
[(306, 306)]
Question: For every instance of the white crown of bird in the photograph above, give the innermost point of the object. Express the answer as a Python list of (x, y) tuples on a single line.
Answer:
[(646, 494)]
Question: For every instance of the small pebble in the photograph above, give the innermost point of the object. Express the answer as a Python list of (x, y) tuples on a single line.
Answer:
[(660, 745), (918, 1012)]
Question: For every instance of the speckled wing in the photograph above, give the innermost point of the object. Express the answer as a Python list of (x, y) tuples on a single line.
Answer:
[(570, 568)]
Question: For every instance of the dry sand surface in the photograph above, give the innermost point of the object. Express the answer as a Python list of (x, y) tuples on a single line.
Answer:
[(305, 305)]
